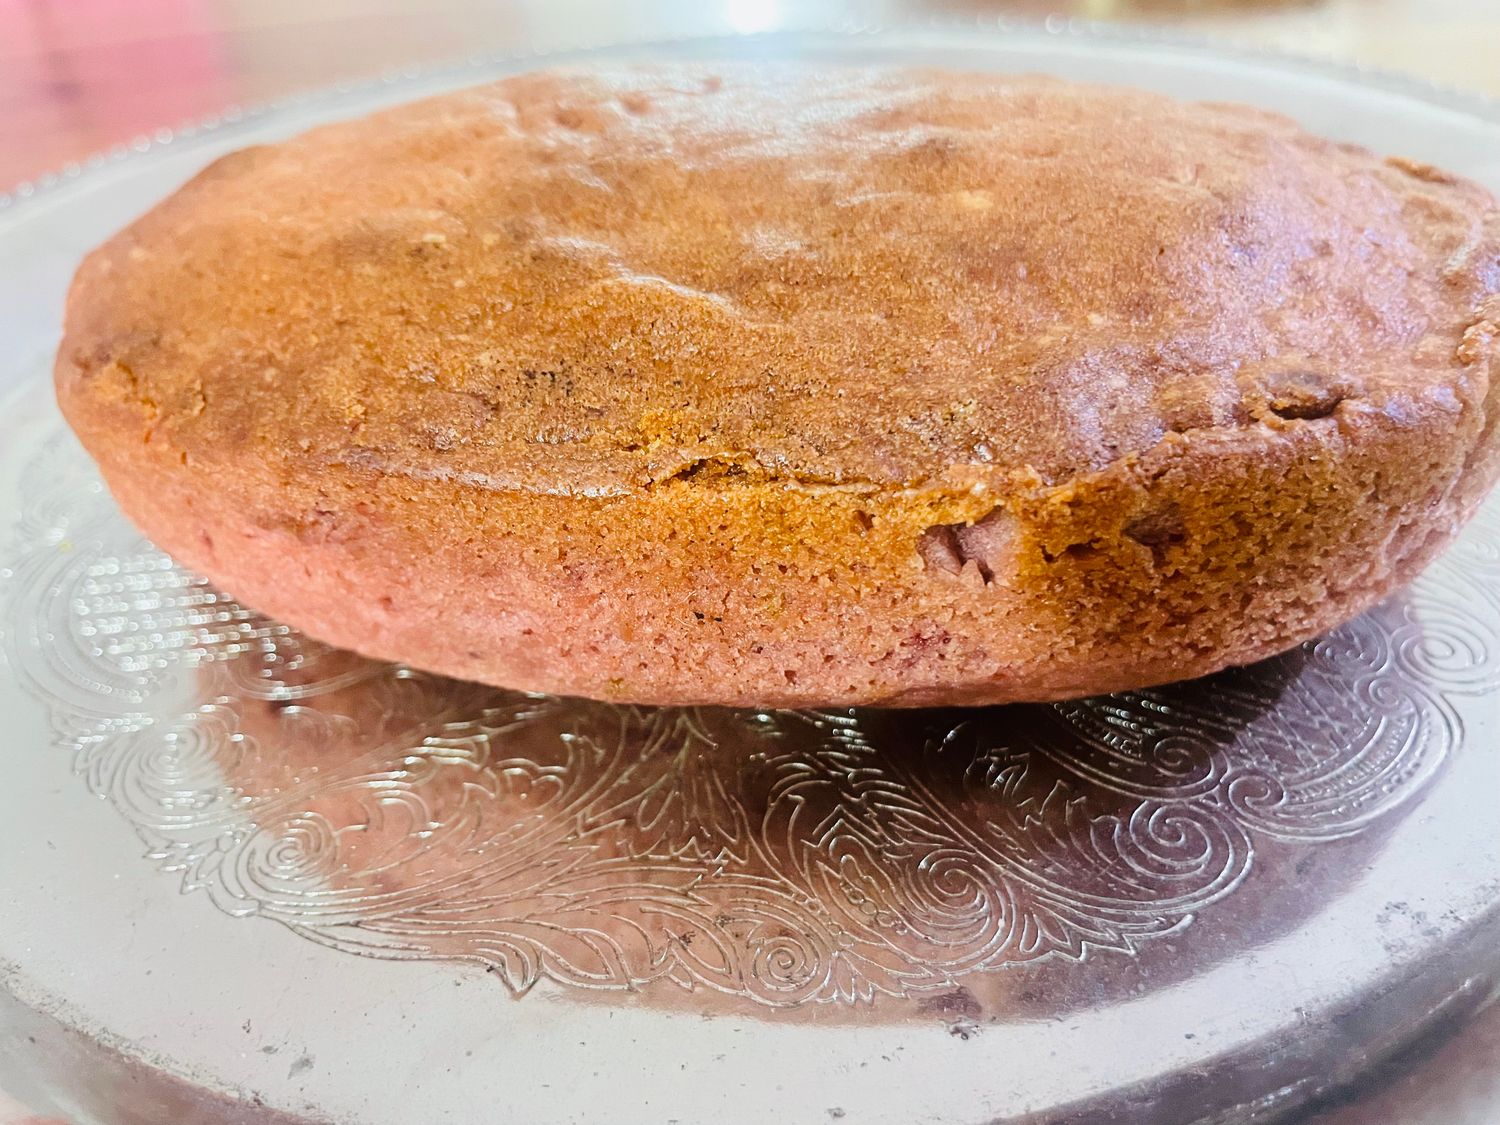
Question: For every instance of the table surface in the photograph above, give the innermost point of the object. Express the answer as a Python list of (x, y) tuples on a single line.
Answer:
[(71, 86)]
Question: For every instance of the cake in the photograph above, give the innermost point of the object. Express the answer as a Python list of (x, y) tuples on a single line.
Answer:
[(789, 386)]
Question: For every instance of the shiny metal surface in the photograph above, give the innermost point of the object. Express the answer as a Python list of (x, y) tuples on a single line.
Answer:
[(253, 878)]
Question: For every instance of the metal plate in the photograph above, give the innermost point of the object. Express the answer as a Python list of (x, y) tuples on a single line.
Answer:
[(252, 878)]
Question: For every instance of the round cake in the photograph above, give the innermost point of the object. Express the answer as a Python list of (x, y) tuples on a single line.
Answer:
[(788, 386)]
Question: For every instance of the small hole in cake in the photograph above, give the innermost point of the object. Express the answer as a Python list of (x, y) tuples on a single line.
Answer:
[(988, 543), (1157, 531), (938, 546), (1306, 408), (706, 470), (791, 677), (1304, 394), (386, 602), (865, 521), (1075, 551)]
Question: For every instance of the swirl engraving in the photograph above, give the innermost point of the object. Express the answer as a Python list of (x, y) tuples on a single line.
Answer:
[(778, 858)]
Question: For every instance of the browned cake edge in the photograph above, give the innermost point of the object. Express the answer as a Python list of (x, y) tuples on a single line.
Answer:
[(1208, 550)]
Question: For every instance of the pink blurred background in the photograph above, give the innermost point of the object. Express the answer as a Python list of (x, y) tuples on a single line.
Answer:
[(79, 76)]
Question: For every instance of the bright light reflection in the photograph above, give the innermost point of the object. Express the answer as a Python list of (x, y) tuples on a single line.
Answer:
[(749, 16)]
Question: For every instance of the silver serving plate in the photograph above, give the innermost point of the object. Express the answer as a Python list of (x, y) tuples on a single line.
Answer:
[(247, 877)]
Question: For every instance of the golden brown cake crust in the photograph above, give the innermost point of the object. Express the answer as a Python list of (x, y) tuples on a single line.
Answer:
[(794, 386)]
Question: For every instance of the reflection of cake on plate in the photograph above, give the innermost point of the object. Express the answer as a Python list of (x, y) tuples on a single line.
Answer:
[(785, 858), (783, 386)]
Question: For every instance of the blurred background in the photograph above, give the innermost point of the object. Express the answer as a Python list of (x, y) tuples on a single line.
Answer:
[(80, 76)]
